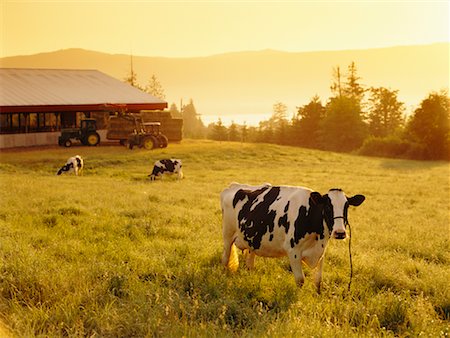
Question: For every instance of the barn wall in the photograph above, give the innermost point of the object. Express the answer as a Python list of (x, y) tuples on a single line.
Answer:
[(36, 139), (28, 140)]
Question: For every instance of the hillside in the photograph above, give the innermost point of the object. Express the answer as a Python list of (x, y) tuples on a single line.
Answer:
[(251, 82), (126, 257)]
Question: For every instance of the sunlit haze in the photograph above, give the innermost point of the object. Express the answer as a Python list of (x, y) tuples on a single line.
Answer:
[(188, 29), (201, 28)]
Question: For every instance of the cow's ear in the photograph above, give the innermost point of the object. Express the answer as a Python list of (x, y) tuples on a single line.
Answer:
[(315, 198), (356, 200)]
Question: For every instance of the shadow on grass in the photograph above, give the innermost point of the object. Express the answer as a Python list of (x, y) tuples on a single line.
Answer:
[(411, 165)]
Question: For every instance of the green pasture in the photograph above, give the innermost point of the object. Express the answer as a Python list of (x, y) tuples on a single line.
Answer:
[(111, 254)]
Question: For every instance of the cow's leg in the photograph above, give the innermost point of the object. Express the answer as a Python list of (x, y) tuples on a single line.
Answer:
[(226, 251), (318, 278), (250, 259), (230, 258), (296, 265)]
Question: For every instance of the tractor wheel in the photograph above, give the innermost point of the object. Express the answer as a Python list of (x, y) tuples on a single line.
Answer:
[(67, 143), (163, 141), (93, 139), (150, 142)]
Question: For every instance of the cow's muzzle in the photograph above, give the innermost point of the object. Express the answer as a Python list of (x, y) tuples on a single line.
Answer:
[(340, 235)]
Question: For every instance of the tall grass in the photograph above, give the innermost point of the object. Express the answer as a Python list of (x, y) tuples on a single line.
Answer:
[(112, 254)]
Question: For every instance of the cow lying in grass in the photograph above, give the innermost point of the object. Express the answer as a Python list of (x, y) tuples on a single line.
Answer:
[(74, 164), (275, 221), (166, 166)]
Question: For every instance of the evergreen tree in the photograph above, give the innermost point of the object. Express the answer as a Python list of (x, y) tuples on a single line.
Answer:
[(276, 127), (385, 113), (244, 133), (174, 112), (193, 126), (342, 128), (279, 114), (131, 78), (306, 126), (219, 131), (155, 88), (430, 126), (281, 132), (336, 86), (350, 87), (233, 132), (353, 88)]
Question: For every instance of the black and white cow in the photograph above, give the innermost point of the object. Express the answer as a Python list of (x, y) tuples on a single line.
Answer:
[(166, 166), (74, 164), (275, 221)]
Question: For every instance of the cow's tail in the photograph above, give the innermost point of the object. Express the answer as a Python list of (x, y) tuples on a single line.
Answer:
[(233, 260)]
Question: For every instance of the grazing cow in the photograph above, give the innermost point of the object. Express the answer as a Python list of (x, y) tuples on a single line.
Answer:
[(275, 221), (172, 166), (74, 164)]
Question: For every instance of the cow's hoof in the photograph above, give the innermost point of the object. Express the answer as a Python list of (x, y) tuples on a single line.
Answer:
[(300, 283)]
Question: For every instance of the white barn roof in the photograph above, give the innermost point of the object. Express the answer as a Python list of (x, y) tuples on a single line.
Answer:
[(31, 90)]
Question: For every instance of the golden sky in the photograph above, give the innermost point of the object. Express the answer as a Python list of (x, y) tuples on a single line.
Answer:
[(202, 28)]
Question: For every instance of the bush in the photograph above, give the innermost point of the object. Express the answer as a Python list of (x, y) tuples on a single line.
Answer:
[(390, 146)]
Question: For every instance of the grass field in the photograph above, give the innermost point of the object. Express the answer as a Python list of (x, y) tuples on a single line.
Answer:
[(111, 254)]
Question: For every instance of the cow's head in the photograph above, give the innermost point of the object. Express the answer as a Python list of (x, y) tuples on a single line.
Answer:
[(63, 169), (335, 210), (157, 171)]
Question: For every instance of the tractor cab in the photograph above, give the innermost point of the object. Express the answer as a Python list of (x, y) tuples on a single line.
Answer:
[(88, 125), (86, 134)]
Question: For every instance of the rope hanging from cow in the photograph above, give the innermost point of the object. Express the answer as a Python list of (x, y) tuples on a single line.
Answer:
[(349, 248), (350, 254)]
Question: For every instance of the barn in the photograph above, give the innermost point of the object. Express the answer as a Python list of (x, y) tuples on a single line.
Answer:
[(35, 104)]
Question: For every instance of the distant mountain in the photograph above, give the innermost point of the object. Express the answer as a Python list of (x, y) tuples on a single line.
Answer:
[(251, 82)]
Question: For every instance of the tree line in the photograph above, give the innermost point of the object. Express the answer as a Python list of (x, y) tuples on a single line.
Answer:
[(367, 121), (359, 119)]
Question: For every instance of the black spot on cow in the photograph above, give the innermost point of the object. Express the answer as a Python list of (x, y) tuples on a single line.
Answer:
[(328, 213), (78, 162), (169, 165), (310, 220), (255, 218), (67, 167), (271, 238), (157, 170), (251, 194), (283, 221)]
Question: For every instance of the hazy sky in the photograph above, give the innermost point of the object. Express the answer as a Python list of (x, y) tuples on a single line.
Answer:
[(201, 28)]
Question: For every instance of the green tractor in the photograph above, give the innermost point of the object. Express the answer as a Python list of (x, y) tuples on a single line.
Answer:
[(148, 137), (86, 134)]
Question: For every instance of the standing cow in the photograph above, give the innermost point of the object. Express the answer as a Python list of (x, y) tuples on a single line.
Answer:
[(275, 221), (166, 166), (74, 164)]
